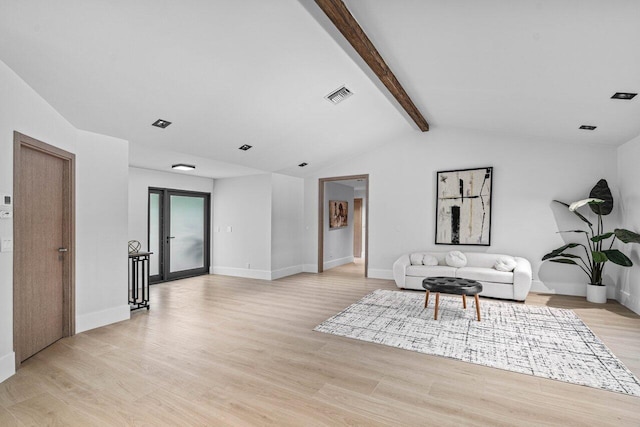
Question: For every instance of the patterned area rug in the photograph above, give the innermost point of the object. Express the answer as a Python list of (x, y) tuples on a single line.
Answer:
[(542, 341)]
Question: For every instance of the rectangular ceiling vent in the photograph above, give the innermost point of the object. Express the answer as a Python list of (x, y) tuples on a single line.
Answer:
[(339, 95)]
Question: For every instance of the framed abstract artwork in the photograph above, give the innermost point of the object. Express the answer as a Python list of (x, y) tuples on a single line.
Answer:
[(463, 208), (338, 214)]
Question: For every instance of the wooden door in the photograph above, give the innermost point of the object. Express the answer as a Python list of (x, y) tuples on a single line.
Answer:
[(43, 257), (357, 228)]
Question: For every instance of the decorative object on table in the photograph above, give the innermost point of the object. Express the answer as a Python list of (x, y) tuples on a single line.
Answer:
[(452, 285), (338, 214), (593, 256), (535, 340), (134, 246), (463, 208)]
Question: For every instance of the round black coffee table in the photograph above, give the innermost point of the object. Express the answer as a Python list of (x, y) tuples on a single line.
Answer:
[(452, 285)]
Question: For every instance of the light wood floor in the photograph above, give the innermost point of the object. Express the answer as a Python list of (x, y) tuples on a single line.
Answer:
[(218, 350)]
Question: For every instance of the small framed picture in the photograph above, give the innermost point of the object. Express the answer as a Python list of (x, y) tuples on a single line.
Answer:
[(338, 214)]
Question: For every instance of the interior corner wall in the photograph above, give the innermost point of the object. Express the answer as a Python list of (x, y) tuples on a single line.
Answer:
[(23, 110), (242, 226), (338, 242), (528, 175), (139, 182), (628, 291), (101, 230), (287, 209)]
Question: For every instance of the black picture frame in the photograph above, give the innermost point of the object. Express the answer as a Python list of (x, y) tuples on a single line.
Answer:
[(464, 195)]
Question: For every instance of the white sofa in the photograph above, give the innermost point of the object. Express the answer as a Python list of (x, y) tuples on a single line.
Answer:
[(480, 266)]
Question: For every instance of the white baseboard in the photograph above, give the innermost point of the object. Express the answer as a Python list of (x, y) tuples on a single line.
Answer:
[(628, 300), (539, 286), (338, 262), (380, 273), (310, 268), (7, 366), (242, 272), (284, 272), (97, 319)]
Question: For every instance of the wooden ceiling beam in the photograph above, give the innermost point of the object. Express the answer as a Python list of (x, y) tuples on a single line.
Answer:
[(344, 21)]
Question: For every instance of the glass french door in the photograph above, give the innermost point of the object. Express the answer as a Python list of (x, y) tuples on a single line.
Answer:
[(178, 234)]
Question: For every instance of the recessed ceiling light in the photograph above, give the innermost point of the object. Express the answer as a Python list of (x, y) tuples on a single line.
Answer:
[(161, 123), (303, 164), (587, 127), (623, 95), (245, 147), (183, 167), (339, 95)]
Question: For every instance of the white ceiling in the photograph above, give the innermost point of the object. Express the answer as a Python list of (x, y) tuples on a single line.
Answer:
[(228, 73)]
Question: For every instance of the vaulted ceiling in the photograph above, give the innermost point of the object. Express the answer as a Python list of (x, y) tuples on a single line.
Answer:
[(228, 73)]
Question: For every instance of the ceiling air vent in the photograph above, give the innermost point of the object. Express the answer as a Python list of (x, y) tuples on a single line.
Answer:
[(339, 95)]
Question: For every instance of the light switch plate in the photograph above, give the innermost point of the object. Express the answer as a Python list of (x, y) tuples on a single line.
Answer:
[(6, 244)]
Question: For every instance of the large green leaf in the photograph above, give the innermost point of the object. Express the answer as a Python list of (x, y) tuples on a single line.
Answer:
[(601, 191), (578, 214), (617, 257), (557, 252), (564, 254), (627, 236), (599, 256), (564, 261), (601, 237)]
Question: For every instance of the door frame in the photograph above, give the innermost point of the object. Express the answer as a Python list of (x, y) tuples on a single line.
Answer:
[(165, 228), (321, 207), (21, 142)]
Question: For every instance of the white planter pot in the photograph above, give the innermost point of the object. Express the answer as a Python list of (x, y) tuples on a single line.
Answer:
[(597, 294)]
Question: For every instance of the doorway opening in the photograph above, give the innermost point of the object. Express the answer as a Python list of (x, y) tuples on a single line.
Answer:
[(343, 222), (44, 246), (179, 234)]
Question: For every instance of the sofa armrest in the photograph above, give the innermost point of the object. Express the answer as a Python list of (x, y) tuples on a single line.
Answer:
[(522, 277), (399, 270)]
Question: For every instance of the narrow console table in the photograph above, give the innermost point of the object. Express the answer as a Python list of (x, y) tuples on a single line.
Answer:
[(139, 280)]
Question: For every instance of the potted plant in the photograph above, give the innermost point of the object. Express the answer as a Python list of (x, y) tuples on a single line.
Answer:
[(598, 250)]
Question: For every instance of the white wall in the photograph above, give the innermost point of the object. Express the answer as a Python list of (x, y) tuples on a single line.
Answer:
[(287, 211), (528, 175), (139, 182), (244, 204), (629, 187), (99, 172), (362, 194), (338, 242), (101, 234)]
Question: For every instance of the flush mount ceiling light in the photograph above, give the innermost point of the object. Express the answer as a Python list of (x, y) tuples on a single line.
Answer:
[(183, 167), (587, 127), (623, 95), (339, 95), (245, 147), (303, 164), (161, 123)]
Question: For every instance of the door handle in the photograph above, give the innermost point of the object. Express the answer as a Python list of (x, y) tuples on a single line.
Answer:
[(169, 238), (62, 249)]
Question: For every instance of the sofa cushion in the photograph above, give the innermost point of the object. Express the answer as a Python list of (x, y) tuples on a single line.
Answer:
[(456, 259), (481, 259), (429, 260), (485, 274), (430, 271), (505, 263), (416, 259)]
